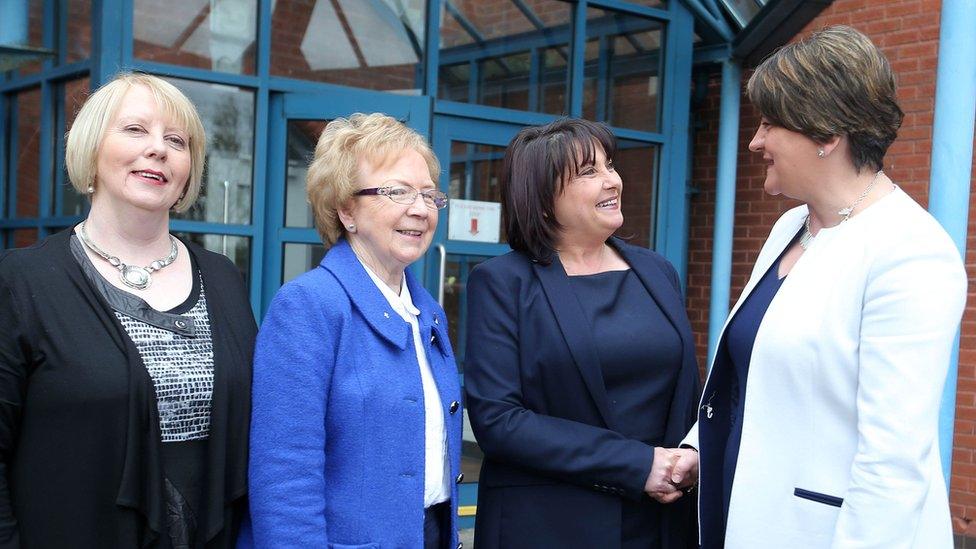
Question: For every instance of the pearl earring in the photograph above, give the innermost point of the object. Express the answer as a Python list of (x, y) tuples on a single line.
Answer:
[(91, 189), (351, 228), (821, 153)]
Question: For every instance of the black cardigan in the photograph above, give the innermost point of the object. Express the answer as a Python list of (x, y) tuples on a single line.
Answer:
[(80, 450)]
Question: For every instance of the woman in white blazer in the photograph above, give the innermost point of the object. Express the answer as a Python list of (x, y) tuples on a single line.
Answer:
[(818, 425)]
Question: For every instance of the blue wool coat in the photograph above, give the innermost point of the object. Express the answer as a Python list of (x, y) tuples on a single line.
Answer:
[(337, 428)]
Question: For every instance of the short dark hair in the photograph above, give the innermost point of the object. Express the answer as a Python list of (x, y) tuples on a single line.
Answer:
[(834, 82), (538, 163)]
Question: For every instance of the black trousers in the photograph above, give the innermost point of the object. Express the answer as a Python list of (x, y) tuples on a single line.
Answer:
[(437, 526)]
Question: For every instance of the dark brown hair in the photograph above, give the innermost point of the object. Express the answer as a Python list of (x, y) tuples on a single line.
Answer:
[(538, 163), (834, 82)]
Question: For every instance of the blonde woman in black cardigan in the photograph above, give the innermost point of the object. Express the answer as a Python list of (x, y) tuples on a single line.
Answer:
[(124, 352)]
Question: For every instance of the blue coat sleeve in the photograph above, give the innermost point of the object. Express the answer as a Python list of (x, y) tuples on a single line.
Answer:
[(293, 364), (508, 430)]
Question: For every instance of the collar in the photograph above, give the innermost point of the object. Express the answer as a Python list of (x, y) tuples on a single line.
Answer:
[(401, 303), (367, 296)]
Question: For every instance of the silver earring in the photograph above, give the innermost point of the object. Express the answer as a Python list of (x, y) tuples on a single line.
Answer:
[(821, 153), (351, 228), (91, 188)]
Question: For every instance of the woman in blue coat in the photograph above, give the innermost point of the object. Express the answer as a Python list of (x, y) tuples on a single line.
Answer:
[(356, 422)]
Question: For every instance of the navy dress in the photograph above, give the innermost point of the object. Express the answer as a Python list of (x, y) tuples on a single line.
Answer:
[(725, 398), (640, 356)]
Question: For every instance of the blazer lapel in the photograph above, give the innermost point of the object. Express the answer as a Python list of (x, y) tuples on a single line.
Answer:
[(571, 320), (342, 262)]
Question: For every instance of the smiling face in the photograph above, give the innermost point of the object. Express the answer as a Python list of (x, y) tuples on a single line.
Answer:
[(390, 236), (588, 206), (144, 160), (788, 156)]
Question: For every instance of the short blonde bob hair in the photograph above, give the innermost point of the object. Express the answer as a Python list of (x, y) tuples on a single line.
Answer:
[(86, 134), (345, 145)]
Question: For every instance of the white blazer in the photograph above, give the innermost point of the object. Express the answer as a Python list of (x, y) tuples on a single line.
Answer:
[(844, 386)]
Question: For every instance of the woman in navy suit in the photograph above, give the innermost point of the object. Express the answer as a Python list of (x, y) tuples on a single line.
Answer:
[(356, 426), (581, 369)]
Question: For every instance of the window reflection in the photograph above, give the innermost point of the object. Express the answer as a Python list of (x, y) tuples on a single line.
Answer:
[(207, 34), (236, 248), (300, 258), (623, 70), (513, 55), (636, 163), (26, 105), (228, 116), (75, 92), (374, 44), (302, 137)]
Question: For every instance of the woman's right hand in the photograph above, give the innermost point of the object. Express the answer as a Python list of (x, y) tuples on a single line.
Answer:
[(658, 484)]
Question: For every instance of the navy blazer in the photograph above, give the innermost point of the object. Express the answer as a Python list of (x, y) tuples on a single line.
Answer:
[(337, 429), (556, 465)]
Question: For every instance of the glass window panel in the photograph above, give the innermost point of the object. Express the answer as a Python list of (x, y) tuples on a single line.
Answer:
[(636, 163), (228, 116), (28, 148), (75, 93), (300, 258), (456, 271), (216, 35), (374, 44), (302, 137), (505, 81), (236, 248), (78, 46), (475, 174), (20, 238), (622, 83), (35, 34), (518, 49)]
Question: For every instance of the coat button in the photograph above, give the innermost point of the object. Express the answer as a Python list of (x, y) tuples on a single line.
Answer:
[(454, 406), (459, 478)]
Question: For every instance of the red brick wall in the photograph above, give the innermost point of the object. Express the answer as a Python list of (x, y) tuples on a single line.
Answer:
[(907, 31)]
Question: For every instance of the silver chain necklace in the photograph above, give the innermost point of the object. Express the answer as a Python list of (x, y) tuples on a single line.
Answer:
[(133, 276), (807, 238)]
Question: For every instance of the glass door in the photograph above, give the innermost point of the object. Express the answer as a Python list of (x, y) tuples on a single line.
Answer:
[(291, 243), (471, 153)]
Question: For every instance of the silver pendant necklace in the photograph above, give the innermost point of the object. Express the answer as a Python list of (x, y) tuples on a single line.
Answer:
[(807, 237), (133, 276)]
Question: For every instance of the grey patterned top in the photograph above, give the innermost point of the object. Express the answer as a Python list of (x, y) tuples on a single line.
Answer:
[(175, 346), (181, 367)]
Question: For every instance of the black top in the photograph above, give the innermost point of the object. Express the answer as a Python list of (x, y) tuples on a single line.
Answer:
[(638, 348), (81, 462), (740, 336), (640, 356)]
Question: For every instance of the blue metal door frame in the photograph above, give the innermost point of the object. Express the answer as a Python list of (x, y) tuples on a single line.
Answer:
[(448, 129)]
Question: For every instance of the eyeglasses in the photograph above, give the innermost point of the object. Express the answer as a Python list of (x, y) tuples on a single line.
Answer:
[(403, 194)]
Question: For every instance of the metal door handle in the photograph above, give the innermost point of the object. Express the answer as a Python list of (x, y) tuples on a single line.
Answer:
[(440, 281)]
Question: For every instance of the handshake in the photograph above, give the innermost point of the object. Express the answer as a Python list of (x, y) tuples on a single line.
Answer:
[(673, 474)]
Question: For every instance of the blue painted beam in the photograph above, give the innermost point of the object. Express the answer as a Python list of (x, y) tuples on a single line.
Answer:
[(952, 161), (728, 145), (14, 23), (716, 24), (672, 208)]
